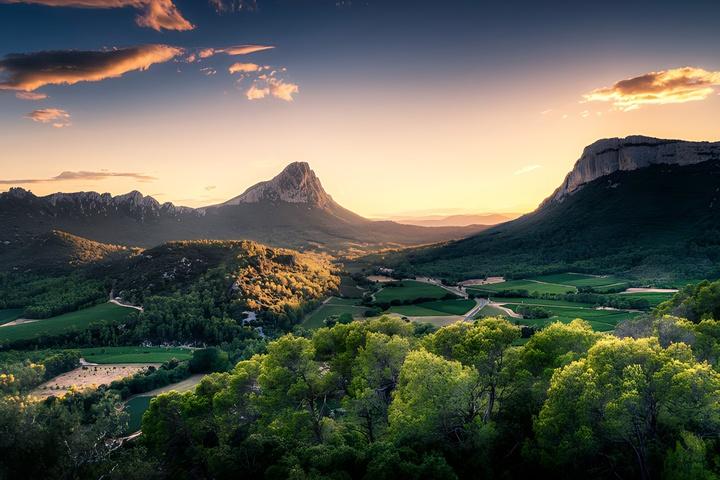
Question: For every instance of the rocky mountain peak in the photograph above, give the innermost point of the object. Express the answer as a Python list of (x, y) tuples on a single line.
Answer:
[(610, 155), (297, 183)]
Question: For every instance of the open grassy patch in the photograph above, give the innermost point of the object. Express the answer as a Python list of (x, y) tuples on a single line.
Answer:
[(600, 320), (9, 314), (409, 291), (135, 354), (583, 280), (104, 313)]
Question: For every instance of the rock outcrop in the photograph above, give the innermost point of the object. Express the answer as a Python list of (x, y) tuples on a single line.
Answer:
[(297, 183), (631, 153)]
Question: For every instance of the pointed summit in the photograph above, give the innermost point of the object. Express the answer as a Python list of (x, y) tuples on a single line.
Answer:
[(297, 183)]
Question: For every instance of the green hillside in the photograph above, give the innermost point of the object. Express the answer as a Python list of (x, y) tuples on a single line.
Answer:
[(658, 224)]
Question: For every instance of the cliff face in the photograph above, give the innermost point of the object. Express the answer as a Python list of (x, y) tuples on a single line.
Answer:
[(297, 183), (631, 153)]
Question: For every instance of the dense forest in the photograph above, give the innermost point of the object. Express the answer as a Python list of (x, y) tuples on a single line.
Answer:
[(384, 398)]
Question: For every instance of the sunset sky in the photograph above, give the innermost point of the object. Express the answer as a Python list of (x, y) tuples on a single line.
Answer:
[(400, 107)]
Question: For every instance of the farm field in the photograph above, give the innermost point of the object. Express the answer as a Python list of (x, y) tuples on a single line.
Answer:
[(409, 290), (433, 309), (601, 320), (653, 298), (137, 405), (530, 286), (334, 306), (134, 354), (582, 280), (9, 314), (106, 312), (87, 377)]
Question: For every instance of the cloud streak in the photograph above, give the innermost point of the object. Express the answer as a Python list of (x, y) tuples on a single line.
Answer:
[(243, 67), (155, 14), (678, 85), (526, 169), (31, 96), (80, 175), (30, 71), (55, 116)]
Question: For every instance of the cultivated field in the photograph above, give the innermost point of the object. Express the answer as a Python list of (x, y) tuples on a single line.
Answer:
[(409, 290), (87, 377), (601, 320), (558, 283), (433, 309), (9, 315), (104, 355), (491, 311), (106, 312), (137, 405), (333, 306), (531, 286), (653, 298)]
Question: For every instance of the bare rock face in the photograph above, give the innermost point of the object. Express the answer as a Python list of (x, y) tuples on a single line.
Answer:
[(631, 153), (297, 183)]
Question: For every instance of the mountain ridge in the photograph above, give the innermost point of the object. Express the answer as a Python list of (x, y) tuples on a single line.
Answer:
[(311, 219)]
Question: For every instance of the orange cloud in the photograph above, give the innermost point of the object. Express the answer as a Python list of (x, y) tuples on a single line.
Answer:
[(58, 118), (243, 67), (31, 71), (245, 49), (156, 14), (277, 88), (283, 90), (678, 85), (31, 96)]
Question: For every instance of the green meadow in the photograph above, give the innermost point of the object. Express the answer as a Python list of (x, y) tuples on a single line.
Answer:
[(135, 354), (73, 321), (434, 309), (334, 306)]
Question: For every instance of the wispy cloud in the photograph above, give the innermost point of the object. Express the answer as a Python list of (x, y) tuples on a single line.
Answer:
[(80, 175), (210, 187), (234, 51), (243, 67), (231, 6), (678, 85), (155, 14), (526, 169), (30, 71), (55, 116), (31, 96)]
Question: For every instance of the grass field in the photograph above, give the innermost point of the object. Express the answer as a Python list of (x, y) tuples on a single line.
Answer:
[(530, 285), (136, 407), (581, 280), (335, 306), (106, 312), (135, 354), (653, 298), (409, 290), (9, 314), (434, 309), (601, 320)]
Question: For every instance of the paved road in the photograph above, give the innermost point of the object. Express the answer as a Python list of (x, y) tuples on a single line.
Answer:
[(479, 304)]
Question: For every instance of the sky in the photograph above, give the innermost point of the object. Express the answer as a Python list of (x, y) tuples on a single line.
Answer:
[(401, 107)]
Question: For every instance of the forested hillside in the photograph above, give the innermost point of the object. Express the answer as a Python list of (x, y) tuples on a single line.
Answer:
[(658, 223)]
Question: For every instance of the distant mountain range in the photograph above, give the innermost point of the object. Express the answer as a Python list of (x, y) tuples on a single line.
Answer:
[(460, 220), (291, 210), (647, 207)]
